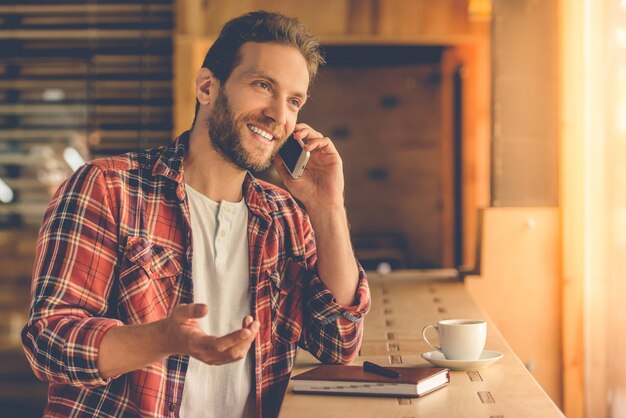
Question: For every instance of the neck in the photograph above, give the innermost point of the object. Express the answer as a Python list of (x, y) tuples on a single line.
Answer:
[(207, 171)]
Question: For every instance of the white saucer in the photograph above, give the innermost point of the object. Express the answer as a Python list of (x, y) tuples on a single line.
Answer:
[(486, 358)]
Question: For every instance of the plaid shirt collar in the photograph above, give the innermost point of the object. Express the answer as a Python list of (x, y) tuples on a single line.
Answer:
[(170, 165)]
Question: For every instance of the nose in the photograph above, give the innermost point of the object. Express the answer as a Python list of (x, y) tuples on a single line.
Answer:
[(277, 110)]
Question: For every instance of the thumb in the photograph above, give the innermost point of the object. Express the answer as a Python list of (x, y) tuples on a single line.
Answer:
[(190, 311)]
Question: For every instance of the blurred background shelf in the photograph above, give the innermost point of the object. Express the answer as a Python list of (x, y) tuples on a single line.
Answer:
[(78, 80)]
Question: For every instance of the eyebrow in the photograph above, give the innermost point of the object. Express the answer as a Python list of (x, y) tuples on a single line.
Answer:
[(302, 96)]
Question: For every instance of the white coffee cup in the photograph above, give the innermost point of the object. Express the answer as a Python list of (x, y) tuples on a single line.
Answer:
[(460, 339)]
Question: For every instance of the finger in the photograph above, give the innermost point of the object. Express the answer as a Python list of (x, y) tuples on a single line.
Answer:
[(236, 353), (190, 311), (246, 321), (319, 144), (208, 350), (306, 135), (300, 126), (207, 347), (229, 340), (202, 343), (252, 324), (303, 131)]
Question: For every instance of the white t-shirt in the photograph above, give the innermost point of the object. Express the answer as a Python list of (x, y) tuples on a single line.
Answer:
[(221, 280)]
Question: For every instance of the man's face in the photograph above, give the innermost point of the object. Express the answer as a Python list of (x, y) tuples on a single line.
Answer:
[(257, 108)]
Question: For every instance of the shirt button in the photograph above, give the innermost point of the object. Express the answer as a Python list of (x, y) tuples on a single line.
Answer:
[(173, 406)]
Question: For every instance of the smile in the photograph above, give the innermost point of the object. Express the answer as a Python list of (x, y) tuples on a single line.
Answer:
[(261, 132)]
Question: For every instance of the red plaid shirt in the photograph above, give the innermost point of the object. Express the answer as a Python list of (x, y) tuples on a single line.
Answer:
[(115, 249)]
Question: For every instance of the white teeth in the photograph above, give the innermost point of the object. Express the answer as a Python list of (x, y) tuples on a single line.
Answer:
[(261, 132)]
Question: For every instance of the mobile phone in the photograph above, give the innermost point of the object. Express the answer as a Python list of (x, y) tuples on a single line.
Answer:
[(294, 156)]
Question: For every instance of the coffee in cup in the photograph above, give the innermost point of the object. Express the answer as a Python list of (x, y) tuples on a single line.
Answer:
[(460, 339)]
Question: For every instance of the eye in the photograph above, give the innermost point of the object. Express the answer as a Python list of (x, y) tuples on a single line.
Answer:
[(295, 103), (263, 84)]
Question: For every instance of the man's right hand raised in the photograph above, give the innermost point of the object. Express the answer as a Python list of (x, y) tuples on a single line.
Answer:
[(186, 337), (179, 333)]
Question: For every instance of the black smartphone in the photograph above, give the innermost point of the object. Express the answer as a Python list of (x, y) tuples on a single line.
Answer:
[(294, 156)]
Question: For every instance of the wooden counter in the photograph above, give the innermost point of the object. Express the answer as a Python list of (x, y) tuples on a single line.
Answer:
[(402, 305)]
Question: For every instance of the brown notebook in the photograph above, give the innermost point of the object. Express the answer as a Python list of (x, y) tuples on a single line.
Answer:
[(353, 380)]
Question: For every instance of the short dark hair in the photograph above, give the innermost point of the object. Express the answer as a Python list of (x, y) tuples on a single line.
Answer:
[(260, 26)]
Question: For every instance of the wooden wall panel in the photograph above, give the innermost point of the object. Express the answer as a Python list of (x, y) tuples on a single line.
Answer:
[(188, 56), (476, 153), (451, 175), (206, 18), (520, 287), (525, 104), (386, 19), (411, 18), (386, 123)]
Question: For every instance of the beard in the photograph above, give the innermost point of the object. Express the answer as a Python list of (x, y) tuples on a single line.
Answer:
[(225, 135)]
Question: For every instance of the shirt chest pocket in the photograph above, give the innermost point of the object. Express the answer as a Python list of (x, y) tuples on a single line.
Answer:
[(285, 295), (148, 281)]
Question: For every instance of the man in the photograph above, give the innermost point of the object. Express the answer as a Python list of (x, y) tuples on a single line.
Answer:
[(171, 282)]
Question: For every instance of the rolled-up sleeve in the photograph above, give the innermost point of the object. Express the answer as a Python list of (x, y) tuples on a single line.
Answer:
[(72, 278), (333, 332), (325, 309)]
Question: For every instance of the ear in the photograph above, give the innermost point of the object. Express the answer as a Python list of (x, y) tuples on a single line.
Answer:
[(206, 86)]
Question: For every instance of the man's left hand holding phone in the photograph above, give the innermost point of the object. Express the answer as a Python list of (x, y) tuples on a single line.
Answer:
[(321, 182), (320, 189)]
